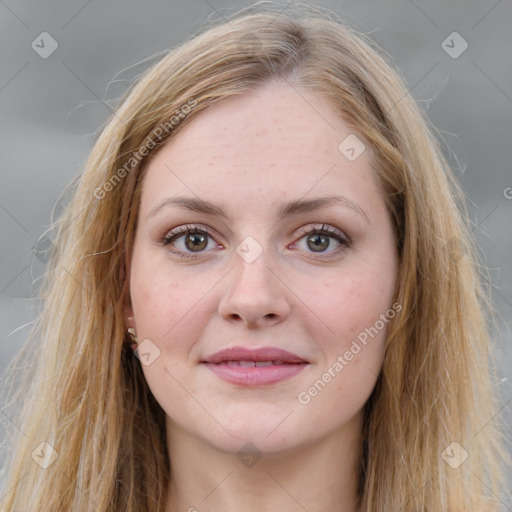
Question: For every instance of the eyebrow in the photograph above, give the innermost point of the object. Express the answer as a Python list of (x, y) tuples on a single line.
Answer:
[(285, 209)]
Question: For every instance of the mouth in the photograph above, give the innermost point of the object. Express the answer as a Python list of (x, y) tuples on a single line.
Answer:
[(255, 367), (254, 364)]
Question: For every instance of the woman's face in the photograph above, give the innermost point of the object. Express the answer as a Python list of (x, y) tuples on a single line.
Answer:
[(274, 270)]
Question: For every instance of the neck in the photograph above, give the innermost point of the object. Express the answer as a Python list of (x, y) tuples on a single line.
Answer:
[(321, 476)]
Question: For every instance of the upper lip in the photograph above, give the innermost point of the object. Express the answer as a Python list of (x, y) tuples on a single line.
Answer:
[(254, 354)]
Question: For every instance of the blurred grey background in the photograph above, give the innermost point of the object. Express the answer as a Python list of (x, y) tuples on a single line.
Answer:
[(63, 65)]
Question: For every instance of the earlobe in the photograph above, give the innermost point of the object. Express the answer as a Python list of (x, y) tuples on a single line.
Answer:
[(132, 333), (128, 314), (133, 336)]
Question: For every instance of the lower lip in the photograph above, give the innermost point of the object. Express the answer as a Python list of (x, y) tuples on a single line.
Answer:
[(255, 375)]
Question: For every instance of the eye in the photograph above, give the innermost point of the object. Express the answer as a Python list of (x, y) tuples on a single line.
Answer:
[(318, 239), (195, 240)]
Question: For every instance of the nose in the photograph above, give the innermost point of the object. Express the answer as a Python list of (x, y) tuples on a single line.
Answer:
[(254, 294)]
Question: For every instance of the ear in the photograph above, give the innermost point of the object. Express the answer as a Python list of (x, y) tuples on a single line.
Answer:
[(129, 318), (124, 277), (130, 325)]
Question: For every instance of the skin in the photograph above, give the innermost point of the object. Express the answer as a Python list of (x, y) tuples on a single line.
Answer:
[(248, 154)]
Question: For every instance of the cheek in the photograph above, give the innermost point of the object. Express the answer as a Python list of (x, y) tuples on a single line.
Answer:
[(157, 297), (353, 355), (354, 301), (169, 304), (169, 312)]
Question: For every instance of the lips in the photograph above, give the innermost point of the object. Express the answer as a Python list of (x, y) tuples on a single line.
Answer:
[(262, 354), (255, 367)]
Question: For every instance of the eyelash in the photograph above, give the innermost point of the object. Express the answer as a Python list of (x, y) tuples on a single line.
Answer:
[(199, 228)]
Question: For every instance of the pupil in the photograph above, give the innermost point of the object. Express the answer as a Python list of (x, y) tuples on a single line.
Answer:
[(196, 240), (319, 241)]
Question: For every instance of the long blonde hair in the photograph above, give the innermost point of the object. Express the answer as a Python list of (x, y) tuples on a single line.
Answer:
[(83, 392)]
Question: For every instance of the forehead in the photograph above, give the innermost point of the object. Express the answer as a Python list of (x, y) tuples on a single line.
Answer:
[(270, 144)]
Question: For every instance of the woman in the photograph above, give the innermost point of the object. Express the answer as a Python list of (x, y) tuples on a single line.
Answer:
[(263, 297)]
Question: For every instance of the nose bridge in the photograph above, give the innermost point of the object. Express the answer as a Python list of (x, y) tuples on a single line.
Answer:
[(253, 292), (252, 264)]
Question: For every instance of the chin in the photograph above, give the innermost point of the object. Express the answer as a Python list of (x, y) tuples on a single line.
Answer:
[(250, 441), (265, 429)]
